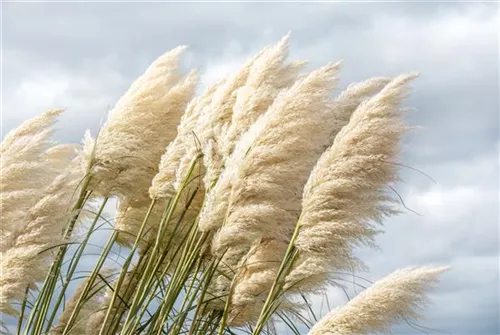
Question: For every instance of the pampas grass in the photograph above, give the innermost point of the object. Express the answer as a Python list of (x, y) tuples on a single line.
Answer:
[(142, 123), (396, 297), (26, 260), (346, 192), (261, 264), (230, 206), (263, 188), (27, 161)]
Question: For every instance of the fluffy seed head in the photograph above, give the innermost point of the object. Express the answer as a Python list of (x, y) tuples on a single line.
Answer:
[(271, 164), (177, 153), (215, 122), (259, 268), (395, 298), (28, 164), (139, 128), (277, 154), (268, 75), (345, 192), (26, 261)]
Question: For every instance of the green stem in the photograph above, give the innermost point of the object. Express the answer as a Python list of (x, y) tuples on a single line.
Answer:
[(74, 265), (23, 307), (152, 266), (104, 254), (125, 267), (277, 284)]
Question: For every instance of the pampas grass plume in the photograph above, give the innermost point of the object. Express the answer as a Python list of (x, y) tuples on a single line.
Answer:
[(345, 192), (139, 128), (275, 162), (396, 297), (164, 183), (26, 261), (268, 75), (26, 171), (262, 262)]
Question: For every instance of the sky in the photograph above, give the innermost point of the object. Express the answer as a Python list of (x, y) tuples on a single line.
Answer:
[(83, 56)]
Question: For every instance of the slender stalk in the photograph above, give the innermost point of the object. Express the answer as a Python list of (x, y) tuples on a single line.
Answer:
[(225, 315), (47, 290), (41, 317), (74, 265), (126, 266), (102, 258), (152, 266), (277, 284), (23, 307), (34, 310), (175, 285), (201, 306), (119, 312)]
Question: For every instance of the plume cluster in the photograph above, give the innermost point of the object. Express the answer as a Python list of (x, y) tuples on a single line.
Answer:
[(276, 161), (163, 184), (129, 148), (346, 191), (260, 267), (268, 75), (26, 170), (26, 260), (263, 201), (140, 126), (263, 186), (394, 298)]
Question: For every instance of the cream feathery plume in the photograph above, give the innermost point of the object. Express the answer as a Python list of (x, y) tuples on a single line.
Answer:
[(216, 120), (254, 279), (139, 128), (274, 158), (341, 110), (23, 154), (261, 265), (163, 183), (347, 101), (130, 216), (21, 140), (61, 155), (26, 261), (269, 167), (394, 298), (345, 192), (268, 75), (88, 308), (26, 171)]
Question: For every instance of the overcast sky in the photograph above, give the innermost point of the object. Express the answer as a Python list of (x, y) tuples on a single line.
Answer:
[(83, 56)]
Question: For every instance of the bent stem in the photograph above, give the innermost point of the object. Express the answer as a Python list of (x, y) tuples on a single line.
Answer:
[(73, 266), (277, 286), (100, 262), (125, 266)]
